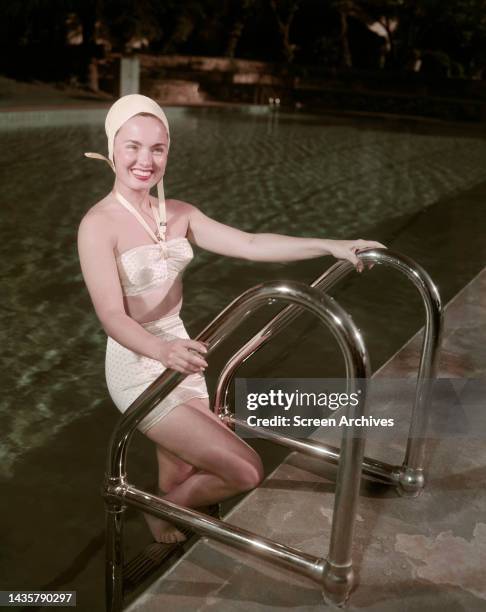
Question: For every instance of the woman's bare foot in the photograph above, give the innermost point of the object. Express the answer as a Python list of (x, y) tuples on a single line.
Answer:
[(163, 531)]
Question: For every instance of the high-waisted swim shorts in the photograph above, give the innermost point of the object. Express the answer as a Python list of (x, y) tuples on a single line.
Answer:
[(128, 374)]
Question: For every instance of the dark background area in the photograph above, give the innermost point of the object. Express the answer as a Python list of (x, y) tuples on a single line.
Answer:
[(58, 40)]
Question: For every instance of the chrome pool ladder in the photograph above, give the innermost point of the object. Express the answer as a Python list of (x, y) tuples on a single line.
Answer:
[(335, 572)]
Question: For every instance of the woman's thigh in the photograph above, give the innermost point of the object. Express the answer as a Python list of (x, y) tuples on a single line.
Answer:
[(166, 457), (195, 435), (172, 469), (203, 406)]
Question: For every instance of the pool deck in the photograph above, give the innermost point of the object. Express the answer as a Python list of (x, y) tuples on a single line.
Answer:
[(39, 104), (409, 553)]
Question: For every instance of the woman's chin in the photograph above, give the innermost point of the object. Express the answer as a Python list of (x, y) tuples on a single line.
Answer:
[(140, 185), (135, 185)]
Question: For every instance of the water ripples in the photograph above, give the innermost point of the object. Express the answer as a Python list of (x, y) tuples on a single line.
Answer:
[(261, 174)]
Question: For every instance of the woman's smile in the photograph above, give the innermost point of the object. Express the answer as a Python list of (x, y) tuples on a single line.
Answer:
[(142, 175)]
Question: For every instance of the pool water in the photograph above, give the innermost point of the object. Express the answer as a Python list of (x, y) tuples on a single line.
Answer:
[(417, 189), (259, 172)]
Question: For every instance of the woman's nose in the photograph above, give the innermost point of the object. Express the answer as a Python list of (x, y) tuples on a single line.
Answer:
[(145, 157)]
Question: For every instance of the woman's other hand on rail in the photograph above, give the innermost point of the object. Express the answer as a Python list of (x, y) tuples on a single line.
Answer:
[(183, 356), (348, 249)]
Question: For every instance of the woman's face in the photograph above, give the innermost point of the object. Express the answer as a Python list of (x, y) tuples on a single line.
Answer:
[(140, 152)]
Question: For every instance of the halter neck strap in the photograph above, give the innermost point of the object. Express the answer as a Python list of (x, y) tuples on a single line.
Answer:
[(160, 224), (160, 217)]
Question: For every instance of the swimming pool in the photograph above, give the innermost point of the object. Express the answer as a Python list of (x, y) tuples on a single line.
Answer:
[(412, 187), (257, 171)]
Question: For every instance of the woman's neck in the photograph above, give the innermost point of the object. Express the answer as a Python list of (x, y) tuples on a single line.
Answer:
[(138, 199)]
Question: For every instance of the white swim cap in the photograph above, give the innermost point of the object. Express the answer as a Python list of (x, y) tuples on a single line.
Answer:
[(120, 112)]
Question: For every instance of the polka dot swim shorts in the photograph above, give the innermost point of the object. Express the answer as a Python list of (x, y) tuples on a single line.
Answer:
[(128, 374)]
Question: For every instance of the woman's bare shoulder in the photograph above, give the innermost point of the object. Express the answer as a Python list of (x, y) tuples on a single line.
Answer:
[(177, 208), (100, 216), (180, 207), (102, 209)]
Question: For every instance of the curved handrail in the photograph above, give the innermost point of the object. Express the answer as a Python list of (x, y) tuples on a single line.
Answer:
[(337, 573), (411, 479), (214, 333)]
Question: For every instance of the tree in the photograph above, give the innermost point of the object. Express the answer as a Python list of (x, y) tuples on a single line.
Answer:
[(284, 12), (344, 9), (33, 32), (388, 14), (465, 24), (242, 13)]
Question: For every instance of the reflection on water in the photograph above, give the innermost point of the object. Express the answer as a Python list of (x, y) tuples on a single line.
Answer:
[(292, 175)]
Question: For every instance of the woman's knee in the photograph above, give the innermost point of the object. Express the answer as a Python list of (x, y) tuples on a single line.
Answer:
[(172, 470), (213, 448)]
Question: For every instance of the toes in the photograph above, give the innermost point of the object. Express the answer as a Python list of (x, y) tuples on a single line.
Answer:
[(164, 538), (164, 532), (171, 537)]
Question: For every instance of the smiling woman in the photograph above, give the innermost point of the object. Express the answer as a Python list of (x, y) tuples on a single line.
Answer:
[(150, 158), (133, 249)]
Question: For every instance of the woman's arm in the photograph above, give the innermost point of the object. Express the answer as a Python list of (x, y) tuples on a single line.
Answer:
[(225, 240), (98, 265)]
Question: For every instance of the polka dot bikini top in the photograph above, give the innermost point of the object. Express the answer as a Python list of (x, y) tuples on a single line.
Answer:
[(145, 267)]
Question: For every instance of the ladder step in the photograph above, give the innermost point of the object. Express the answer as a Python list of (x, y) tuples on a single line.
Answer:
[(157, 555)]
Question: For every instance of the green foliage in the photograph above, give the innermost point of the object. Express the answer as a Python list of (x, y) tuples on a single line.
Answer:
[(34, 21), (324, 32)]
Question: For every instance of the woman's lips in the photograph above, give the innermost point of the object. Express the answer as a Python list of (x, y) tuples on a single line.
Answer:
[(142, 175)]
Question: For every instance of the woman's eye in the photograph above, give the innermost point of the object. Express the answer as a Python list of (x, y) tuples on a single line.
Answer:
[(131, 147)]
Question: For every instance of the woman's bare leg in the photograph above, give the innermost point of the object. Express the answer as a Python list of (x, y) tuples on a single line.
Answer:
[(172, 471), (225, 465)]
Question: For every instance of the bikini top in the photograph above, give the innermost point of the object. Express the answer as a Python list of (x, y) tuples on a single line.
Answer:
[(145, 267)]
